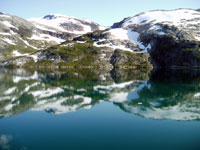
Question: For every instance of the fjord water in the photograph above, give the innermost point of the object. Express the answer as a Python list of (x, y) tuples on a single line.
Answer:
[(95, 109)]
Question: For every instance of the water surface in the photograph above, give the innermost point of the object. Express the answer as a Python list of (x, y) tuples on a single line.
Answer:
[(92, 109)]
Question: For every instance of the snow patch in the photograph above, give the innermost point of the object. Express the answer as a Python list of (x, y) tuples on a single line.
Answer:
[(58, 107), (47, 93), (81, 41), (47, 38), (135, 93), (81, 90), (119, 97), (102, 77), (33, 85), (8, 24), (35, 57), (17, 54), (197, 95), (17, 79), (197, 38), (110, 45), (3, 33), (28, 44), (124, 34), (114, 85), (10, 91), (5, 98), (57, 20), (9, 107), (9, 41), (3, 15)]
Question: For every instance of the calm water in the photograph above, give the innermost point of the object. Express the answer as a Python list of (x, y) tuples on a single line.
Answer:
[(100, 110)]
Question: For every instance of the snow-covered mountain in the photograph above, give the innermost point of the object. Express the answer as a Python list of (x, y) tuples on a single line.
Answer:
[(62, 23), (181, 23), (26, 36), (187, 20), (164, 34), (164, 38), (144, 32)]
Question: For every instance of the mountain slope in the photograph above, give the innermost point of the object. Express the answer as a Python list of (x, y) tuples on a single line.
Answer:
[(17, 34), (61, 23), (172, 36), (187, 20)]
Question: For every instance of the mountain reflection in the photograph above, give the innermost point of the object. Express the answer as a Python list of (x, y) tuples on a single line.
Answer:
[(159, 94)]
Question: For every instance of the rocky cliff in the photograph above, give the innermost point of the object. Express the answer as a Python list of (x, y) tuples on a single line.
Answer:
[(173, 37)]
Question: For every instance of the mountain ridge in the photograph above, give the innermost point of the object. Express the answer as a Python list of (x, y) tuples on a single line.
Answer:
[(162, 38)]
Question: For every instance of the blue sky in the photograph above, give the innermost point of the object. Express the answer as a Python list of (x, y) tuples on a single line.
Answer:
[(104, 12)]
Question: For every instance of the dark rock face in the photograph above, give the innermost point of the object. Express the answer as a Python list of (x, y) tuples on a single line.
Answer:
[(118, 24), (169, 52), (24, 32), (175, 75), (64, 35), (93, 26), (72, 26), (49, 17), (1, 13), (183, 54)]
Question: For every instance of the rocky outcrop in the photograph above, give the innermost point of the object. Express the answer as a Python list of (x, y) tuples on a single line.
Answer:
[(173, 40), (121, 59), (168, 52), (17, 62)]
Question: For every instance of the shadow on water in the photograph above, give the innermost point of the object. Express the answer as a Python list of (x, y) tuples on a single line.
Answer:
[(158, 94)]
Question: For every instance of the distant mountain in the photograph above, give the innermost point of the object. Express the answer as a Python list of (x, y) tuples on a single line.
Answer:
[(27, 36), (61, 23)]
